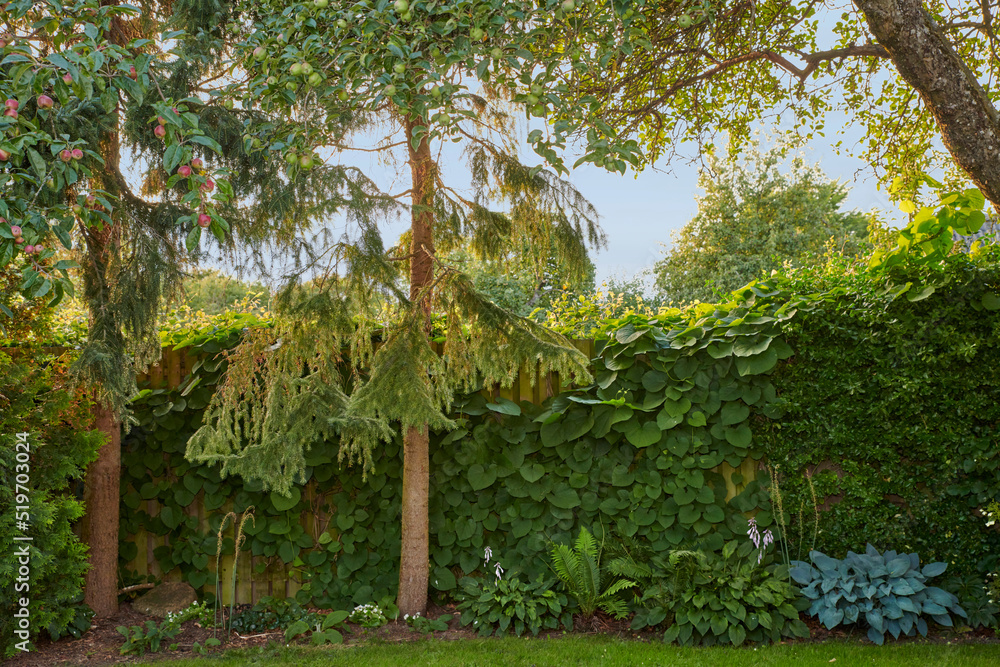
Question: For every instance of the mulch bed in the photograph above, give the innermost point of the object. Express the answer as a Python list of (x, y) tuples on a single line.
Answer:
[(101, 644)]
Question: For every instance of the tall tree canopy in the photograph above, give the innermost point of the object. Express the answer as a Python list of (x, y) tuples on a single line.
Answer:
[(908, 71), (756, 217), (399, 79)]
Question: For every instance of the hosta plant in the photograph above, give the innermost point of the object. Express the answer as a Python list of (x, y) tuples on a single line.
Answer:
[(731, 598), (885, 590), (509, 604)]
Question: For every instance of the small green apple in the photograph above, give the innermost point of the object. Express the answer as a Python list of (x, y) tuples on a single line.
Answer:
[(389, 90), (295, 69), (399, 68), (342, 95), (684, 21), (401, 6), (315, 79), (476, 34), (306, 161)]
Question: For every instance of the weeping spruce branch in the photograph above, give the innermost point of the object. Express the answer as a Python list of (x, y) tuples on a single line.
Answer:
[(286, 389)]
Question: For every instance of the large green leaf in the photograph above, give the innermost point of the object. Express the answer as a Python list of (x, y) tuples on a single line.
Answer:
[(283, 503), (648, 434), (734, 412), (481, 477), (757, 364)]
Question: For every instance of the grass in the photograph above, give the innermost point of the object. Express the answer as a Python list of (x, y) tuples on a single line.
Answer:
[(602, 651)]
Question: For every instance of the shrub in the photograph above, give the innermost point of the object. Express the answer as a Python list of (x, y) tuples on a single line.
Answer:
[(885, 590), (33, 400)]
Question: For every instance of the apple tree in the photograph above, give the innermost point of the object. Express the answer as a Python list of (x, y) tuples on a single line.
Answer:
[(405, 78)]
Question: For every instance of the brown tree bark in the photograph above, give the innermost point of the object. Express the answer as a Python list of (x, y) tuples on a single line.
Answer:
[(103, 478), (100, 523), (926, 59), (414, 562)]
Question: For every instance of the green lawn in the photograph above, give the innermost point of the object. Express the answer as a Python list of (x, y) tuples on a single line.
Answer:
[(600, 651)]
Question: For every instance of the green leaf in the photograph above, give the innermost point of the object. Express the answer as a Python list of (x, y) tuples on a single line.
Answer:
[(172, 157), (648, 434), (193, 239), (991, 301), (734, 412), (532, 472), (505, 407), (284, 503), (37, 163), (481, 478), (565, 498), (758, 364)]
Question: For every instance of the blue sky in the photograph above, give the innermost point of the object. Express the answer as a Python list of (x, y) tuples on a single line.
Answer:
[(639, 211)]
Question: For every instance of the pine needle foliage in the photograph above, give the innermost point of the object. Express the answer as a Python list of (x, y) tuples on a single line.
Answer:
[(579, 568)]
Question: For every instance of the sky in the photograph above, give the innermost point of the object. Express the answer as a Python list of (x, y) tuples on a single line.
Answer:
[(639, 211)]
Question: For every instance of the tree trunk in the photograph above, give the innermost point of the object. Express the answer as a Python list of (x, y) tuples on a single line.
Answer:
[(100, 523), (969, 123), (103, 478), (414, 562)]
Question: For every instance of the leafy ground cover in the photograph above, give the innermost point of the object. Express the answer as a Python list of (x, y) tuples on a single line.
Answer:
[(602, 650)]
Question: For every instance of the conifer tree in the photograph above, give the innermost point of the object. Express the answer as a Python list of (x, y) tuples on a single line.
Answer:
[(415, 75), (94, 92)]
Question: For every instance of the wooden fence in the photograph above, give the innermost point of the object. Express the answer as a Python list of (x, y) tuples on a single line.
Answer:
[(259, 576)]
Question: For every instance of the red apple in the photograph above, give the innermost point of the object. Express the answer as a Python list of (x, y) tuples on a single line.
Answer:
[(132, 74), (91, 200), (18, 240), (184, 170), (161, 120), (45, 102), (38, 249), (208, 185), (77, 209), (204, 220), (160, 131), (10, 113), (65, 155), (77, 154), (4, 155), (15, 230), (67, 78), (196, 163), (28, 249), (12, 104)]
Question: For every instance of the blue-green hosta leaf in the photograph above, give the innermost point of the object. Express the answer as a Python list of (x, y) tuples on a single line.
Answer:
[(933, 569), (823, 562), (851, 612), (802, 573), (931, 607), (876, 636), (897, 567), (942, 619), (902, 587)]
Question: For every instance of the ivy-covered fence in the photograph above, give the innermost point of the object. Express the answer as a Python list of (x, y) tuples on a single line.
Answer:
[(881, 387), (651, 451)]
